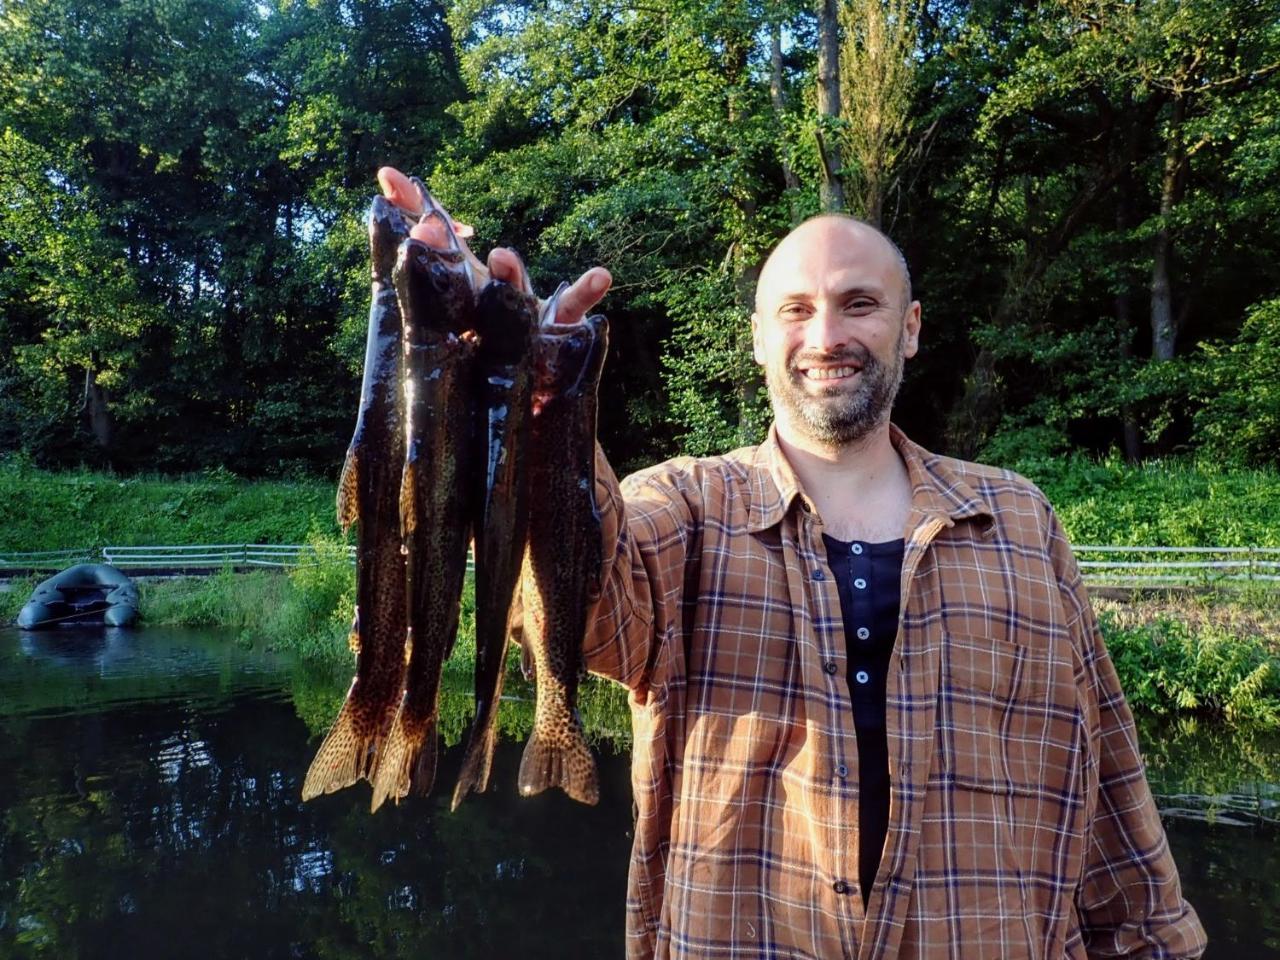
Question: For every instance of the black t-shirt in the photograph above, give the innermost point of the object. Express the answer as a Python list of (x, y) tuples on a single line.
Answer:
[(867, 576)]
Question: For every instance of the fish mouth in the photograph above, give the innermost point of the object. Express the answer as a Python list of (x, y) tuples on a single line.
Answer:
[(430, 209), (548, 321)]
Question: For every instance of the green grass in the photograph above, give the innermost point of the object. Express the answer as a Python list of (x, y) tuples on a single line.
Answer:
[(40, 510), (1177, 503)]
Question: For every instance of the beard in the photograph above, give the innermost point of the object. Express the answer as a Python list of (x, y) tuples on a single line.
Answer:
[(840, 414)]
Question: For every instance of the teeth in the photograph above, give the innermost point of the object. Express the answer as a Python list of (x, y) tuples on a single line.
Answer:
[(830, 373)]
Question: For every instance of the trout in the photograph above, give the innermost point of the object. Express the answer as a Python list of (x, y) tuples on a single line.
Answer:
[(506, 320), (563, 562), (435, 292), (369, 496)]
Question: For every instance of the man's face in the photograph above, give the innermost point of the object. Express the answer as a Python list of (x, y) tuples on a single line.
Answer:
[(832, 330)]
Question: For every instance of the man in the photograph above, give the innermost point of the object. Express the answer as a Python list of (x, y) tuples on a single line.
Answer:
[(873, 715)]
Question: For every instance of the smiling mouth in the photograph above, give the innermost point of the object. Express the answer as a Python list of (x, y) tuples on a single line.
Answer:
[(829, 373)]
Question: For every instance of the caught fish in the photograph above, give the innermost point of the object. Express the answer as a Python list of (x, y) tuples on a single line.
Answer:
[(506, 320), (369, 496), (435, 292), (563, 563)]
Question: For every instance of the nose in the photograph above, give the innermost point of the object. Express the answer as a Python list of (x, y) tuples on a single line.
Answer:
[(825, 331)]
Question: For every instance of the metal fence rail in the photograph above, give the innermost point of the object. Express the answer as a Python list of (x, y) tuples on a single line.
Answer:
[(1178, 566), (1101, 565)]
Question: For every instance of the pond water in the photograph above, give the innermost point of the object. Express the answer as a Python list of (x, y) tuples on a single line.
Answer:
[(150, 807)]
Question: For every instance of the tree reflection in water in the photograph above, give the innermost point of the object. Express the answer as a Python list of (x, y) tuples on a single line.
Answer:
[(151, 807), (172, 825)]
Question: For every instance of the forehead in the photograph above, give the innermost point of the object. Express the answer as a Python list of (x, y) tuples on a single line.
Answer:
[(826, 257)]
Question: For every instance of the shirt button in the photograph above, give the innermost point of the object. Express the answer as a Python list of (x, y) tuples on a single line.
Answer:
[(860, 584), (818, 574), (857, 549), (840, 887), (863, 633), (830, 667), (862, 676), (842, 771)]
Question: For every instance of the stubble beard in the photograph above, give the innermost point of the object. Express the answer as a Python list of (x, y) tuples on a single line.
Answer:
[(836, 416)]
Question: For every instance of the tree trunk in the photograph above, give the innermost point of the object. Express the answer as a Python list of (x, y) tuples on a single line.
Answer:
[(95, 410), (1132, 438), (831, 189), (778, 95), (1164, 326)]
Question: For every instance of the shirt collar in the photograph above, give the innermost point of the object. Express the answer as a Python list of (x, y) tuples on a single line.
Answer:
[(937, 488)]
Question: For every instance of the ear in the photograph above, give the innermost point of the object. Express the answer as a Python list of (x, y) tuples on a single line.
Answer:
[(911, 330), (757, 346)]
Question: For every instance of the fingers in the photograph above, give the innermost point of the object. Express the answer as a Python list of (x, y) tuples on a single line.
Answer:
[(505, 265), (588, 290), (399, 189)]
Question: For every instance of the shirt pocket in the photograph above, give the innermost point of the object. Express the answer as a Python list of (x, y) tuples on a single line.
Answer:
[(998, 716)]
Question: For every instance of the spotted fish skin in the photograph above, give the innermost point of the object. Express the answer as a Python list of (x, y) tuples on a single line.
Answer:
[(563, 562), (506, 321), (368, 496), (435, 294)]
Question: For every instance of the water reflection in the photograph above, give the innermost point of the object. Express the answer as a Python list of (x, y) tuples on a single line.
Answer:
[(146, 817), (151, 799)]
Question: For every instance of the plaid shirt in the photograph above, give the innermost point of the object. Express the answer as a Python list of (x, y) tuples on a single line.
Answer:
[(1020, 825)]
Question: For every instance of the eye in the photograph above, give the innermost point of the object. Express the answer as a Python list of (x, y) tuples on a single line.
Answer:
[(860, 304), (793, 311)]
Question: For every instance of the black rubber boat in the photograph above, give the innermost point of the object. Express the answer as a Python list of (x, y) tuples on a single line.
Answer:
[(88, 594)]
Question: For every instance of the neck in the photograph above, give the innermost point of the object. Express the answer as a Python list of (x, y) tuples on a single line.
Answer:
[(861, 489)]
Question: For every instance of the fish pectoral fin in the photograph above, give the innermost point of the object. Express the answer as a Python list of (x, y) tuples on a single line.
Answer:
[(353, 638), (348, 487), (408, 516)]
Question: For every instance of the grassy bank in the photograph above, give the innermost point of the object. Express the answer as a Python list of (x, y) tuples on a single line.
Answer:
[(1175, 503), (55, 511)]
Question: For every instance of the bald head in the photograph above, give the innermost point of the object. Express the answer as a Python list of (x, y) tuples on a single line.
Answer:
[(816, 235)]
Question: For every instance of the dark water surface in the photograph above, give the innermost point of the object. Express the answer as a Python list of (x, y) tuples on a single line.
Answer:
[(149, 807)]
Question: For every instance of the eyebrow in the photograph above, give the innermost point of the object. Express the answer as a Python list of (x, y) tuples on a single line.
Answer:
[(867, 289)]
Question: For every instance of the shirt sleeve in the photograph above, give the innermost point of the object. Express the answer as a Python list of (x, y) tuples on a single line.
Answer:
[(645, 529), (1129, 901)]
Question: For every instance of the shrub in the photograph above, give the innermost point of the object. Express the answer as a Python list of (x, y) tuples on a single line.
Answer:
[(1239, 384), (1167, 668)]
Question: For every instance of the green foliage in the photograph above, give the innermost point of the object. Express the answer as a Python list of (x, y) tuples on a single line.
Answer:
[(1179, 503), (315, 618), (1239, 385), (1166, 668), (43, 510), (192, 293)]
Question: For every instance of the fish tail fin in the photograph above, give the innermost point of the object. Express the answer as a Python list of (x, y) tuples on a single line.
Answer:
[(477, 761), (407, 764), (560, 762), (348, 485), (423, 777), (343, 757)]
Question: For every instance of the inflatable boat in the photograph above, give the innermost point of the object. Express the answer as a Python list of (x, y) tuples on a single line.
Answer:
[(88, 594)]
